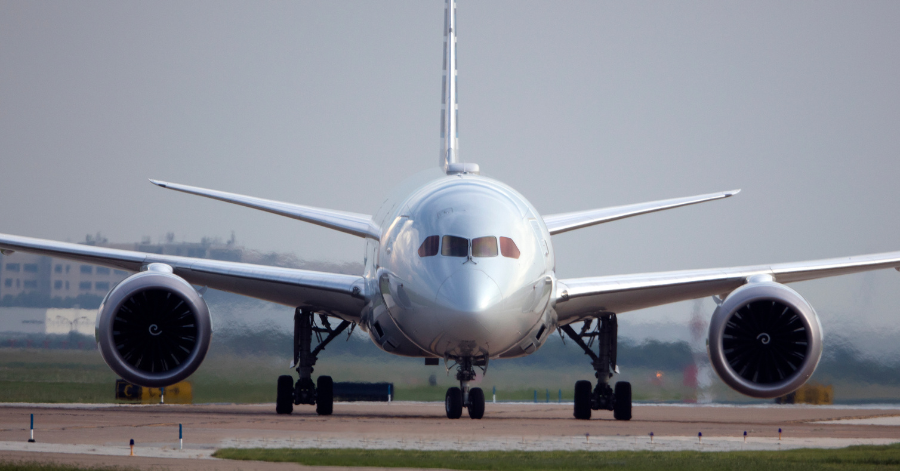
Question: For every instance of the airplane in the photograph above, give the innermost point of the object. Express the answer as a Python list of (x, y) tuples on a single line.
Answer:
[(458, 267)]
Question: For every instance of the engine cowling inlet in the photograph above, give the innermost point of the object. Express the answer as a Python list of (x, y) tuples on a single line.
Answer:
[(765, 340), (153, 328)]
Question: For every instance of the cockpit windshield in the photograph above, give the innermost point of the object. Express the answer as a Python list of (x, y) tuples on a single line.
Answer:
[(453, 246), (508, 248), (430, 246), (484, 247)]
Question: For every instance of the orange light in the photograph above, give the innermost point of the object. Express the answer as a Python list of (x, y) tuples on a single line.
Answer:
[(658, 374)]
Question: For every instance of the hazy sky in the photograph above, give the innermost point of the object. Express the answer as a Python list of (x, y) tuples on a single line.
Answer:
[(576, 104)]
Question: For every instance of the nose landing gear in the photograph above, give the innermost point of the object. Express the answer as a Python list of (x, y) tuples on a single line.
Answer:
[(320, 393), (603, 396), (472, 399)]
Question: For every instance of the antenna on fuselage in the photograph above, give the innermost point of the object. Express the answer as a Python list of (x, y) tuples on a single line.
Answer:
[(449, 160)]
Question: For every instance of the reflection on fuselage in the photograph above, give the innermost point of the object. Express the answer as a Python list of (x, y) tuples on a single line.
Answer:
[(464, 269)]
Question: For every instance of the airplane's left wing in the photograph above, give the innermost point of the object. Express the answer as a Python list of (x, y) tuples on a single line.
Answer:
[(336, 294), (565, 222), (585, 298)]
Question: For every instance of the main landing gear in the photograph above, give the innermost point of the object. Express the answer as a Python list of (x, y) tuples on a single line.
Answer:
[(320, 394), (603, 396), (472, 399)]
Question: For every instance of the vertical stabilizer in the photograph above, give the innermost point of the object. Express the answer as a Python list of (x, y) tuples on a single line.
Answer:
[(449, 160), (449, 136)]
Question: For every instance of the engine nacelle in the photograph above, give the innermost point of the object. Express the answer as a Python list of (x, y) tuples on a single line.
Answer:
[(765, 340), (153, 328)]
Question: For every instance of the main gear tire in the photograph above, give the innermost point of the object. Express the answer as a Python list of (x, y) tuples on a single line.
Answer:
[(284, 398), (583, 400), (622, 406), (324, 395)]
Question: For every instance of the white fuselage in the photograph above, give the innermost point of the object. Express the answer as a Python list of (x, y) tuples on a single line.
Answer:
[(464, 268)]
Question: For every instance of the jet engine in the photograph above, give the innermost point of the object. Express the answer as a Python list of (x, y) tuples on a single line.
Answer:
[(153, 328), (765, 340)]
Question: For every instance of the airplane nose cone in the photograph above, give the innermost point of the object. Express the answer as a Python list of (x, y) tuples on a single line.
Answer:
[(469, 291)]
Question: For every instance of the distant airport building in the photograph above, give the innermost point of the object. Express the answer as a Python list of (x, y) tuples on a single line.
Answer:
[(47, 321), (32, 287), (59, 278), (54, 277)]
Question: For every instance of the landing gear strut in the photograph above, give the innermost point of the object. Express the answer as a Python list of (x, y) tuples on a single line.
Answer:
[(603, 396), (321, 393), (472, 399)]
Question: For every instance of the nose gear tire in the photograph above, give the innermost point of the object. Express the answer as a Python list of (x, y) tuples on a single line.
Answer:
[(583, 400), (476, 403), (325, 395), (284, 399), (622, 407), (453, 403)]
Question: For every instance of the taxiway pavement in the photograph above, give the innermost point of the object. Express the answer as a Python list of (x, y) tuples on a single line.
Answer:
[(99, 434)]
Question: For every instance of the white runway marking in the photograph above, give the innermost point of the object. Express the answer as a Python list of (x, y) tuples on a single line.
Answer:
[(93, 429), (889, 421), (74, 405), (168, 451), (575, 443)]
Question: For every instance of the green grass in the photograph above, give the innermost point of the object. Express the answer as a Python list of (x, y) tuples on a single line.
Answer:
[(61, 376), (855, 457), (32, 466), (28, 391)]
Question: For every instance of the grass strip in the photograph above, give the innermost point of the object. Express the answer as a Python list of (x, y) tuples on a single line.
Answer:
[(57, 392), (854, 457), (34, 466)]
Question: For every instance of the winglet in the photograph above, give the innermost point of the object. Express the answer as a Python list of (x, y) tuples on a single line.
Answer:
[(360, 225)]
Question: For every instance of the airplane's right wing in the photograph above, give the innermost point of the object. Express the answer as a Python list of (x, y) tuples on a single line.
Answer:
[(341, 295), (360, 225), (585, 298)]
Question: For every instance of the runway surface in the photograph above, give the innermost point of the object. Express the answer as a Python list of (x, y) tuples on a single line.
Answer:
[(97, 433)]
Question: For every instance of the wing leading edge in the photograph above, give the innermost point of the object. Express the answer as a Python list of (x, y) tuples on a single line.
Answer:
[(360, 225), (583, 298), (565, 222), (336, 294)]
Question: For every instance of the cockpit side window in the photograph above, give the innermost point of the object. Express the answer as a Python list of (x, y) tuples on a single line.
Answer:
[(429, 247), (508, 248), (453, 246), (484, 246)]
